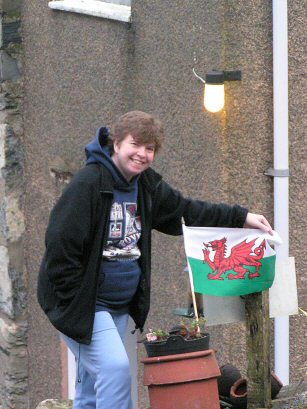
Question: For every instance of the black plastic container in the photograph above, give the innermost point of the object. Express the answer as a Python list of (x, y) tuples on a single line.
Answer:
[(177, 344)]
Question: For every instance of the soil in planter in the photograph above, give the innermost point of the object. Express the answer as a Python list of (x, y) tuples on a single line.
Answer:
[(177, 344)]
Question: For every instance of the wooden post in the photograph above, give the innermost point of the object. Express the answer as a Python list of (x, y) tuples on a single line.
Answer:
[(258, 351)]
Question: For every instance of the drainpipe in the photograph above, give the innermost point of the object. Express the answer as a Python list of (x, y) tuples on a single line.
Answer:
[(281, 169)]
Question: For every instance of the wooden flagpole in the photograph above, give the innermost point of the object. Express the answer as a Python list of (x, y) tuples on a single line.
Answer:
[(193, 292), (192, 286)]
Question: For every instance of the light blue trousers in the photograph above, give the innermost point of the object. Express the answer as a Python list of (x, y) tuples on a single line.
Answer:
[(103, 378)]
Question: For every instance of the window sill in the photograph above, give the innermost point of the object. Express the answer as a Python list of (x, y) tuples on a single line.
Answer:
[(94, 8)]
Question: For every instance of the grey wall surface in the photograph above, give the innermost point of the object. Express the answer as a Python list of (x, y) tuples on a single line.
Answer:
[(76, 78), (217, 157), (298, 167), (82, 71)]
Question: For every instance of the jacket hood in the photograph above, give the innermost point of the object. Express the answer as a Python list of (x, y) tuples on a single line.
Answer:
[(98, 148), (98, 151)]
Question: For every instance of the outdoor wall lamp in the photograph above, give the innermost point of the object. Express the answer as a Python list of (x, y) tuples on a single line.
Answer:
[(214, 95)]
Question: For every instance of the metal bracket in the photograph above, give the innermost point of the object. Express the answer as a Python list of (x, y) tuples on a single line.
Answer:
[(233, 75), (281, 173)]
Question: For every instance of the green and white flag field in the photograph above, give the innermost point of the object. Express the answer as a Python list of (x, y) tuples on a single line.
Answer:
[(229, 262)]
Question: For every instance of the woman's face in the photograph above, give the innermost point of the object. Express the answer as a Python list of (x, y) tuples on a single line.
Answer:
[(131, 157)]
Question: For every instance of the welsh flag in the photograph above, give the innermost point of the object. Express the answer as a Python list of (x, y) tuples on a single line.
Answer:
[(229, 262)]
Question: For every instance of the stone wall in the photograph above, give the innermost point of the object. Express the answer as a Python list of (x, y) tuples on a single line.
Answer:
[(13, 324)]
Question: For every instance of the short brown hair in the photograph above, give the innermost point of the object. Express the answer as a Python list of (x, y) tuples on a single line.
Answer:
[(145, 128)]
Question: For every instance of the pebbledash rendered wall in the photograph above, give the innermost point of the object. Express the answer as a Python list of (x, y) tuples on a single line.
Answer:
[(79, 72)]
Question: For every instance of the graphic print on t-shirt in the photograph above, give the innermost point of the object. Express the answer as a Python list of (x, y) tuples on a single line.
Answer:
[(124, 233)]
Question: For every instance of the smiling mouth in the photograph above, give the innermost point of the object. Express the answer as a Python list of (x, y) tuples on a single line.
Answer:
[(138, 162)]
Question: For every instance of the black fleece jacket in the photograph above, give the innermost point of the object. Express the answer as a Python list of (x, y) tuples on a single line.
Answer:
[(76, 234)]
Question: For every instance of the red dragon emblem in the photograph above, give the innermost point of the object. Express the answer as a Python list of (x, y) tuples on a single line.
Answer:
[(240, 258)]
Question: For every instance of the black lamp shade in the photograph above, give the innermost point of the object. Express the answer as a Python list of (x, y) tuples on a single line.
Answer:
[(215, 77)]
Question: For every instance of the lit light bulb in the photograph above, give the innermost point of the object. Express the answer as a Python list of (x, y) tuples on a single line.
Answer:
[(214, 97)]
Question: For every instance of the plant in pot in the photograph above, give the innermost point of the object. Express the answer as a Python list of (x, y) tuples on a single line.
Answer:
[(181, 371), (189, 336)]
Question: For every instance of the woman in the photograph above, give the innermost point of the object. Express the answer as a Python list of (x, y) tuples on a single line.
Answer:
[(96, 268)]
